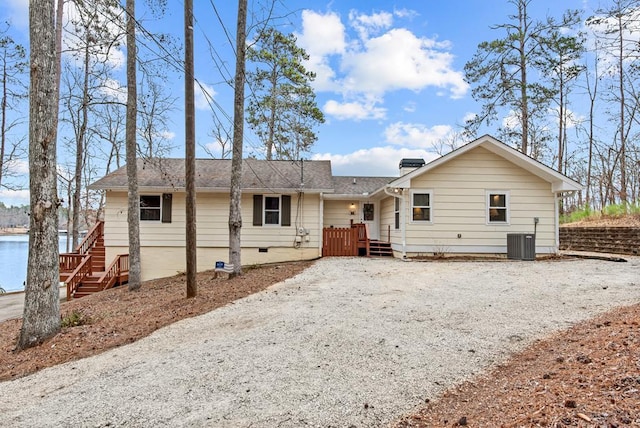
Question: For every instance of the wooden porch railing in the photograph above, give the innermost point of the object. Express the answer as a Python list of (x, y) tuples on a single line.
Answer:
[(70, 261), (339, 241), (114, 272), (87, 243), (345, 241), (79, 274), (363, 236)]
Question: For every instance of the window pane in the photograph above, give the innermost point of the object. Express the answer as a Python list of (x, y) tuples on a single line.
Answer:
[(498, 201), (498, 214), (367, 211), (421, 199), (149, 214), (148, 201), (271, 203), (272, 217), (422, 214), (150, 207)]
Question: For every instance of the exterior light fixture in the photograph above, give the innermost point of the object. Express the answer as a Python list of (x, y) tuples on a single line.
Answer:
[(352, 208)]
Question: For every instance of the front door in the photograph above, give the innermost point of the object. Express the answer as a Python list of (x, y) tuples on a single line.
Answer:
[(369, 216)]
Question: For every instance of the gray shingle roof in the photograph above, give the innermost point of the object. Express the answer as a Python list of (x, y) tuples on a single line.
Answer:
[(215, 174), (359, 185)]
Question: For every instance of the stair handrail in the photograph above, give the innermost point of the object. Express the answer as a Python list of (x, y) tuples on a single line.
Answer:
[(90, 239), (78, 275), (114, 271), (68, 262), (363, 235)]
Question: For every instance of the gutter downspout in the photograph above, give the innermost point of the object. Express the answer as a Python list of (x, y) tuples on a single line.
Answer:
[(321, 225), (403, 228)]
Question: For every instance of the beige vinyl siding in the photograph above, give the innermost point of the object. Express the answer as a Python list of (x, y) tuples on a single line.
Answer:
[(159, 262), (162, 244), (459, 192), (387, 219), (338, 214)]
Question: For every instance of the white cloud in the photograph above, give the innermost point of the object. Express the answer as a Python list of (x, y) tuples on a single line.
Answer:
[(203, 95), (416, 135), (18, 166), (113, 90), (378, 59), (377, 161), (511, 121), (400, 60), (166, 134), (367, 24), (322, 36), (14, 197), (353, 110), (572, 118)]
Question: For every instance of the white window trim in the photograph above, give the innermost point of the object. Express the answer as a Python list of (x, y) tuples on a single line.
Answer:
[(140, 207), (507, 201), (264, 210), (421, 191)]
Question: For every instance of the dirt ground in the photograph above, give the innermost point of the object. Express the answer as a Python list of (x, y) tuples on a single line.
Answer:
[(587, 376)]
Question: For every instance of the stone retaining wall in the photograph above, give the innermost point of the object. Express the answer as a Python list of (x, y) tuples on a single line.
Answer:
[(617, 240)]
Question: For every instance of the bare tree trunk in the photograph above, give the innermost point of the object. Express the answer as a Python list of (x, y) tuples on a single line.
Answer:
[(80, 145), (235, 196), (190, 150), (133, 215), (41, 316), (623, 136), (524, 97)]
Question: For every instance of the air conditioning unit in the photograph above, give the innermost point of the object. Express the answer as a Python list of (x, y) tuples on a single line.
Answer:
[(521, 246)]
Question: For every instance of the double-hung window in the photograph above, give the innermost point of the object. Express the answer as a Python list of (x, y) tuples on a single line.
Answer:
[(497, 207), (421, 205), (156, 207), (150, 207), (273, 210)]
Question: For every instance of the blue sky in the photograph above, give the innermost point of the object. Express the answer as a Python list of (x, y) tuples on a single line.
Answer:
[(389, 74)]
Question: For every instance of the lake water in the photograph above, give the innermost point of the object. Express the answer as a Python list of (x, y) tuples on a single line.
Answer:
[(14, 252)]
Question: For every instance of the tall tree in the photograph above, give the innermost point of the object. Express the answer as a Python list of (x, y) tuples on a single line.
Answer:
[(562, 54), (133, 211), (506, 73), (13, 67), (190, 151), (282, 110), (41, 315), (615, 28), (235, 193)]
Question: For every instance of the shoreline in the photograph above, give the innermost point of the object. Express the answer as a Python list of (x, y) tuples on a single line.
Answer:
[(10, 231)]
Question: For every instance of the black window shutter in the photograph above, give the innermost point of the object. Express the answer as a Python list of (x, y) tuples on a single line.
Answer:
[(167, 198), (257, 210), (286, 210)]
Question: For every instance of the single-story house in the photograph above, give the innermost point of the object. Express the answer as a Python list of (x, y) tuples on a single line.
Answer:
[(465, 202)]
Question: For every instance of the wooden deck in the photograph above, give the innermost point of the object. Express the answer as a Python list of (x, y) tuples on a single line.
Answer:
[(352, 241), (84, 271)]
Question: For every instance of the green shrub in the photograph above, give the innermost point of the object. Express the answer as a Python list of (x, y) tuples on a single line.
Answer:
[(74, 319)]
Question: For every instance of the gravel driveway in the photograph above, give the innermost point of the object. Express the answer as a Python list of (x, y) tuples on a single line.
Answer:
[(350, 341)]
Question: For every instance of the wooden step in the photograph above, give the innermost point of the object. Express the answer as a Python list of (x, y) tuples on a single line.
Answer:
[(380, 249)]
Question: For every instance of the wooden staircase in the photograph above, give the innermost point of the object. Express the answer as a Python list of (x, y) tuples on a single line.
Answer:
[(85, 272), (380, 249)]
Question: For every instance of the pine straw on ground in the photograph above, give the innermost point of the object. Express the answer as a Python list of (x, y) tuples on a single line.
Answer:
[(116, 317), (587, 376)]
